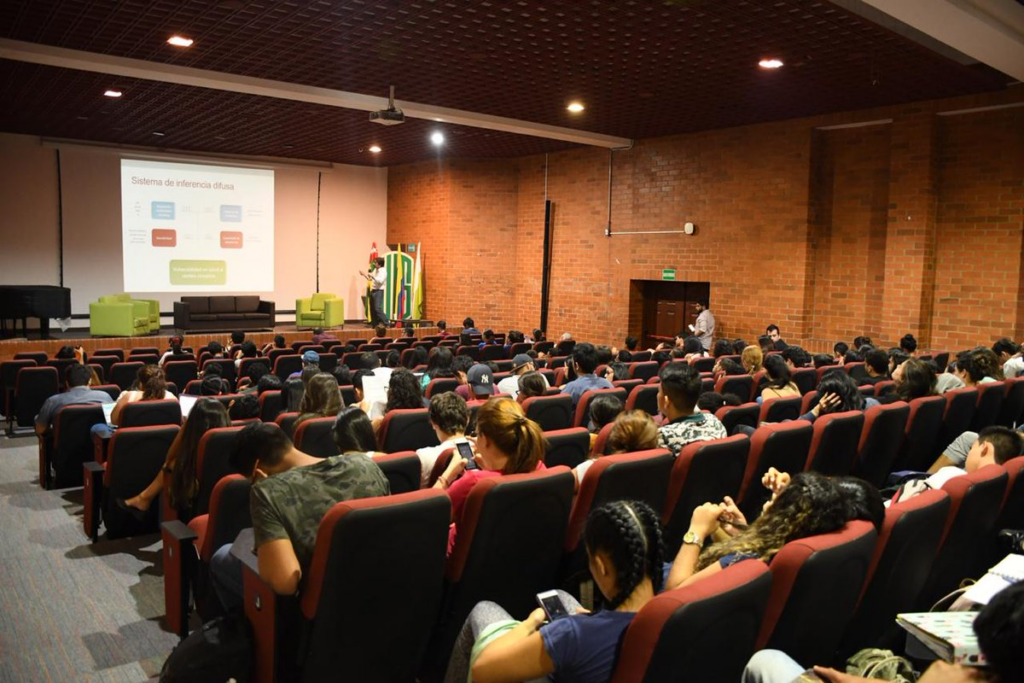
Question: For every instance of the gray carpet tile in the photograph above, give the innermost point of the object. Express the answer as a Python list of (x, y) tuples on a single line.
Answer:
[(71, 610)]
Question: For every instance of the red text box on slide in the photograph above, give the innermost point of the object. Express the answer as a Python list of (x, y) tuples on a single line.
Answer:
[(163, 237), (230, 240)]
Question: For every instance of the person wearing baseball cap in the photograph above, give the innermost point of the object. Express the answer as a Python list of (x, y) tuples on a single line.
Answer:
[(310, 359), (480, 381), (521, 365)]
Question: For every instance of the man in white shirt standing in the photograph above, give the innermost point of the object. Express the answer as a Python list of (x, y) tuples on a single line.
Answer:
[(704, 328), (379, 280)]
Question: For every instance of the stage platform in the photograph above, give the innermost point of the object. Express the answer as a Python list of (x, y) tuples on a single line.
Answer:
[(161, 339)]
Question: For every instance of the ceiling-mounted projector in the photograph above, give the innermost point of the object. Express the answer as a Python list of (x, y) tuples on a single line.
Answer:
[(392, 116)]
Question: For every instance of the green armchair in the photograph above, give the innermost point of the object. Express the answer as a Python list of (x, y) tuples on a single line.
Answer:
[(118, 315), (320, 310)]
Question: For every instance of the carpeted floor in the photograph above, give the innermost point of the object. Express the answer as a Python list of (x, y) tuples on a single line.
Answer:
[(71, 610)]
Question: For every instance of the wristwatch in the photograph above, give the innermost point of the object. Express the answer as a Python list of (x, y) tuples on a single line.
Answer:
[(693, 538)]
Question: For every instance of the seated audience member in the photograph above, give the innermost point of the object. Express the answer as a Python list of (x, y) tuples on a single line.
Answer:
[(521, 365), (343, 375), (822, 360), (876, 367), (439, 366), (752, 359), (631, 344), (380, 334), (840, 349), (479, 384), (310, 360), (391, 360), (237, 338), (361, 400), (738, 345), (320, 399), (914, 379), (1011, 357), (215, 349), (992, 445), (661, 357), (678, 392), (773, 334), (442, 329), (269, 382), (487, 339), (712, 401), (150, 385), (465, 339), (460, 366), (245, 407), (726, 367), (256, 372), (76, 377), (896, 358), (175, 352), (692, 348), (862, 341), (353, 433), (212, 385), (810, 505), (780, 383), (507, 442), (69, 352), (538, 336), (449, 417), (999, 628), (604, 354), (181, 461), (616, 371), (603, 410), (418, 357), (853, 357), (722, 347), (531, 384), (469, 327), (292, 492), (632, 431), (838, 393), (292, 393), (278, 343), (320, 335), (978, 366), (246, 350), (908, 344), (404, 392), (796, 357), (766, 345), (623, 542), (584, 362)]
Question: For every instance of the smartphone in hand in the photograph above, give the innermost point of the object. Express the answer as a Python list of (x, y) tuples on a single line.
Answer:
[(466, 451), (552, 605)]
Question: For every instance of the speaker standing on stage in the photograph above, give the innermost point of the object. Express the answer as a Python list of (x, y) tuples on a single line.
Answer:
[(379, 278)]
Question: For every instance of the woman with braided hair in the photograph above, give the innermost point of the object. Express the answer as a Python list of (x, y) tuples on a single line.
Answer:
[(624, 549), (507, 442), (811, 504)]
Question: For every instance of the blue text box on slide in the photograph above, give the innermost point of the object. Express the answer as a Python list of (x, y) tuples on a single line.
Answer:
[(162, 210), (230, 213)]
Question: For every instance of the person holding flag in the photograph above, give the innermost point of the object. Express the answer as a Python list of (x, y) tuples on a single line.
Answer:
[(378, 280)]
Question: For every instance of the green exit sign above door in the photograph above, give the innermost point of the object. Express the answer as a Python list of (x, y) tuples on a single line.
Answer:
[(668, 274)]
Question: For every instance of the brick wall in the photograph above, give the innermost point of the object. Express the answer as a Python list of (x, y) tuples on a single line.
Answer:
[(910, 225)]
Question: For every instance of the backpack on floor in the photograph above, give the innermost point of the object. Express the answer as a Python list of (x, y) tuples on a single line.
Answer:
[(218, 652)]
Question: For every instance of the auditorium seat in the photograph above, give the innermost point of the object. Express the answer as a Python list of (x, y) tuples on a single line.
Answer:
[(286, 421), (62, 365), (550, 412), (125, 374), (746, 414), (148, 413), (567, 447), (286, 365), (1011, 516), (1012, 412), (922, 433), (673, 636), (783, 446), (703, 472), (835, 441), (738, 385), (32, 386), (505, 519), (213, 463), (315, 437), (8, 381), (493, 352), (880, 441), (270, 405), (780, 409), (582, 415), (903, 554), (117, 353), (39, 357), (68, 446), (885, 388), (816, 582), (402, 470), (406, 430), (112, 389), (187, 551), (810, 399), (361, 544), (600, 446), (471, 351), (440, 386), (956, 419), (806, 379), (990, 402), (134, 458), (826, 369), (227, 370), (702, 364), (975, 502)]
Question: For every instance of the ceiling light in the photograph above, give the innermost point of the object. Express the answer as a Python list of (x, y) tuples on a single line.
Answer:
[(437, 139), (112, 93), (770, 63), (179, 41), (158, 133), (575, 107), (375, 149)]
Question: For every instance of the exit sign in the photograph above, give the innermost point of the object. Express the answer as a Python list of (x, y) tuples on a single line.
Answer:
[(668, 274)]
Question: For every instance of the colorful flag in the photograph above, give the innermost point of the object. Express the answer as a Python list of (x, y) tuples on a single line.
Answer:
[(400, 304), (417, 283)]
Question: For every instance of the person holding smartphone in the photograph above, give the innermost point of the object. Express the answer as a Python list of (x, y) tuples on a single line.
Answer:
[(624, 548)]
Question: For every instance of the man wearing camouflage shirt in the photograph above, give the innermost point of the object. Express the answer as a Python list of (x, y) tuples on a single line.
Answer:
[(678, 392), (291, 493)]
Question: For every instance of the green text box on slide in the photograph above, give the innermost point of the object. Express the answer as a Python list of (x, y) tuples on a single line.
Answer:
[(187, 272)]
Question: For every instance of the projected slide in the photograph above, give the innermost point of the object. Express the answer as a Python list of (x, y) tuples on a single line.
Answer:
[(192, 228)]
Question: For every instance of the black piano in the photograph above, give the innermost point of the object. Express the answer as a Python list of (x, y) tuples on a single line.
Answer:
[(18, 302)]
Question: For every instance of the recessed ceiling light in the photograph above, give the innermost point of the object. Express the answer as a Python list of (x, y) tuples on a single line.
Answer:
[(437, 139), (158, 133), (180, 41), (575, 107), (112, 93), (770, 63), (375, 149)]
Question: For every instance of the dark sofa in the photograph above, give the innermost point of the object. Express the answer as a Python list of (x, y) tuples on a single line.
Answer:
[(223, 313)]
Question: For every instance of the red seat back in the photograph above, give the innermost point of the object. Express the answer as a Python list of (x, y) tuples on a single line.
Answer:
[(165, 411), (923, 427), (780, 409), (746, 414), (783, 446), (406, 430), (550, 412), (315, 437), (739, 385), (880, 441), (643, 371), (644, 398), (806, 379), (582, 416), (990, 403), (956, 419), (567, 447), (834, 446), (402, 470), (1012, 412)]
